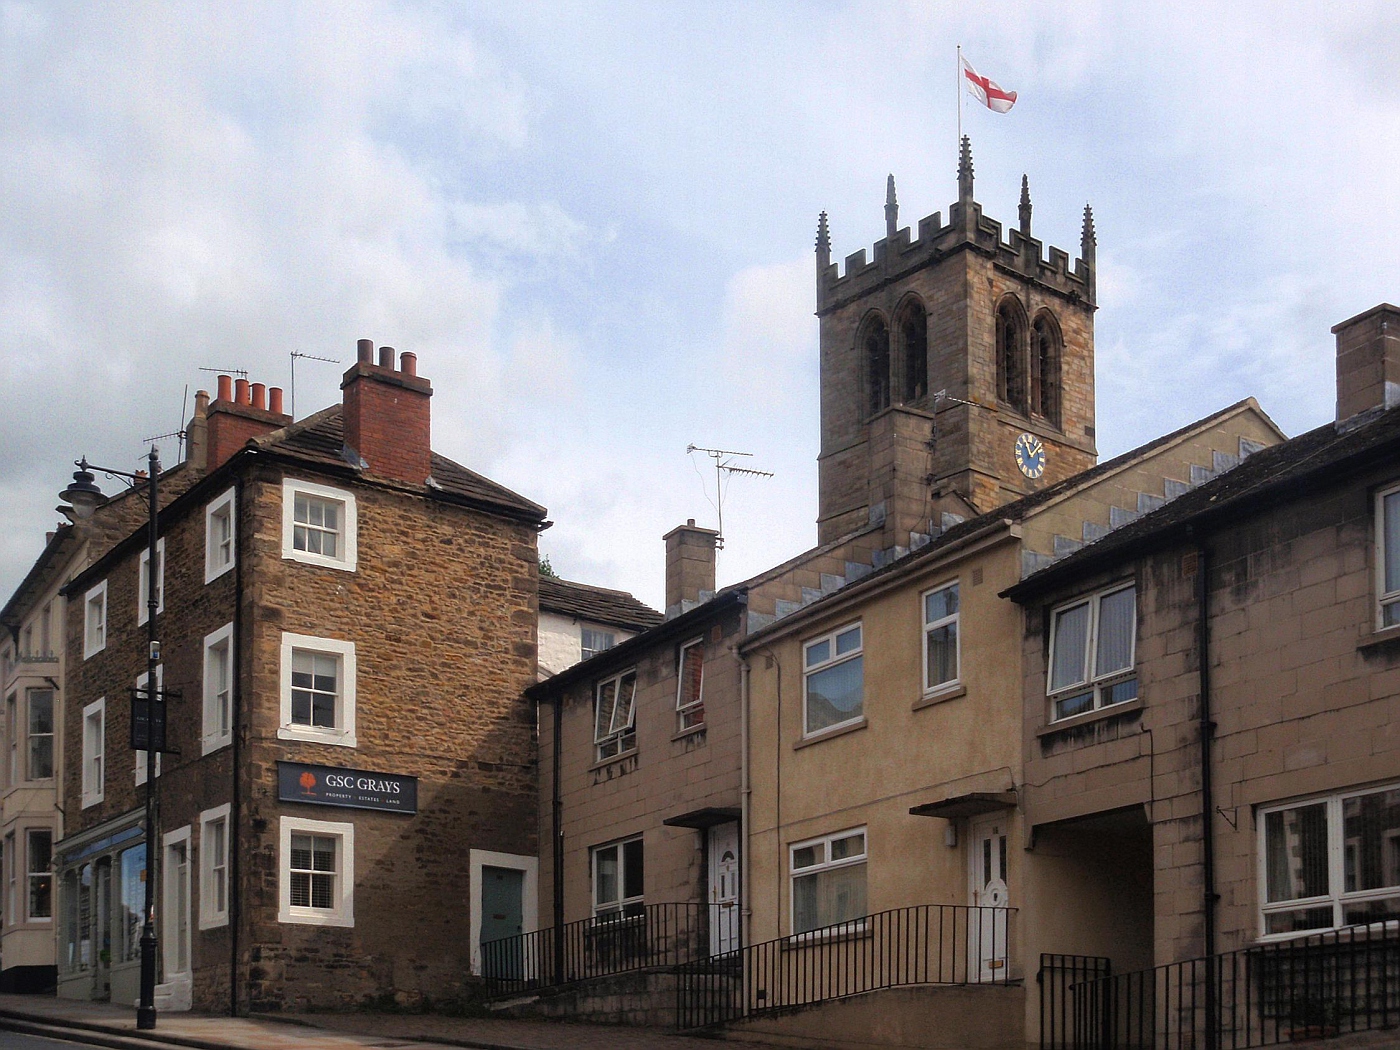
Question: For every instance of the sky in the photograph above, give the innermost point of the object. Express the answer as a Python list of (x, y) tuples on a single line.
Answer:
[(594, 224)]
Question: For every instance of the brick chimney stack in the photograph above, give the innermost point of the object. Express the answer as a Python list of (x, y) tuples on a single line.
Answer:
[(1368, 361), (386, 415), (240, 413), (690, 566)]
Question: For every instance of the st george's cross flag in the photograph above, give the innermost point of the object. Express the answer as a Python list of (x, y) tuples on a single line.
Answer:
[(986, 90)]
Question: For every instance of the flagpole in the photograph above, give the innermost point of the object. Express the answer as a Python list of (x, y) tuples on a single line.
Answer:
[(958, 98)]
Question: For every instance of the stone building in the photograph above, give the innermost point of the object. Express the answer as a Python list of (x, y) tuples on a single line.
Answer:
[(578, 621), (347, 623)]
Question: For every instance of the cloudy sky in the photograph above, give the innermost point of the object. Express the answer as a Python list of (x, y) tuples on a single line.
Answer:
[(593, 222)]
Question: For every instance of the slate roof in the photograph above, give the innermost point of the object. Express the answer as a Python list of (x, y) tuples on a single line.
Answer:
[(596, 604)]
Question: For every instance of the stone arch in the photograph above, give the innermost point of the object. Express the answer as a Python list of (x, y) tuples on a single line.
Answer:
[(1047, 354), (1011, 339), (911, 328), (873, 345)]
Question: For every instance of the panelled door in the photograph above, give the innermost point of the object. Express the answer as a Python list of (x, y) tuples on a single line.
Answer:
[(502, 915), (724, 888), (987, 892)]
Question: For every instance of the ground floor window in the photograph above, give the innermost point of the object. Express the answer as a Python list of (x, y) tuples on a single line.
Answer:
[(39, 856), (617, 879), (101, 899), (131, 867), (1329, 862), (317, 872), (828, 880)]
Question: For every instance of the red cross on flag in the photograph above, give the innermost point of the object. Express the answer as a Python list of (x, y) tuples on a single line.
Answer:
[(986, 90)]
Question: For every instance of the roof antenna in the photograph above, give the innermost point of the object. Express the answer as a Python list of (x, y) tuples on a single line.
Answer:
[(724, 464), (292, 391), (227, 371)]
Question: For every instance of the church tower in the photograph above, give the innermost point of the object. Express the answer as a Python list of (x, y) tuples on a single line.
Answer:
[(957, 370)]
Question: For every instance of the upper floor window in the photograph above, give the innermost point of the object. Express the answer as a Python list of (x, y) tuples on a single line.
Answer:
[(1091, 652), (690, 689), (594, 641), (828, 880), (318, 525), (94, 752), (875, 348), (1388, 555), (1329, 862), (318, 690), (213, 867), (95, 620), (941, 637), (143, 608), (1045, 368), (617, 879), (219, 526), (913, 341), (40, 743), (833, 680), (614, 728), (218, 688), (1011, 356)]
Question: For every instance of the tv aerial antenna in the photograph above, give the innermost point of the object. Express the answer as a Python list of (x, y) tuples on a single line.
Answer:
[(292, 390), (725, 467)]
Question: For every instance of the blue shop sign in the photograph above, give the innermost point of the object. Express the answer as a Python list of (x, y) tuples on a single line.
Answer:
[(349, 788)]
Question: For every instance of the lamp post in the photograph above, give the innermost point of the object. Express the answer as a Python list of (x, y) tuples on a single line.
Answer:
[(84, 495)]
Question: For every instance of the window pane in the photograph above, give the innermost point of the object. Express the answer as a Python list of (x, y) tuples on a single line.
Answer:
[(1357, 913), (323, 854), (850, 846), (940, 604), (1071, 634), (692, 674), (1115, 632), (301, 851), (1069, 706), (632, 868), (41, 711), (607, 700), (806, 856), (818, 653), (605, 875), (825, 898), (835, 694), (626, 694), (301, 889), (1295, 848), (1371, 826), (1120, 691), (1299, 920), (323, 891), (1392, 542), (848, 641), (943, 654)]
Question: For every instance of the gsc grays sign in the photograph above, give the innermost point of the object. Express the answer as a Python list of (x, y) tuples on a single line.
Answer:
[(350, 788)]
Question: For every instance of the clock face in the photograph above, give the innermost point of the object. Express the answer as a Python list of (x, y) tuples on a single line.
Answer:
[(1030, 456)]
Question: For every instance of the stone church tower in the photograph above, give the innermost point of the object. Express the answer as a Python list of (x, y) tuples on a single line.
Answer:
[(957, 370)]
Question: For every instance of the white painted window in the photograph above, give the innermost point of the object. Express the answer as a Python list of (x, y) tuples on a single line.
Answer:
[(141, 755), (318, 690), (218, 689), (1329, 862), (593, 640), (318, 525), (690, 689), (1092, 643), (95, 620), (143, 581), (220, 524), (833, 680), (617, 879), (1388, 556), (11, 867), (614, 713), (941, 640), (317, 872), (94, 754), (39, 874), (213, 867), (828, 880), (40, 736)]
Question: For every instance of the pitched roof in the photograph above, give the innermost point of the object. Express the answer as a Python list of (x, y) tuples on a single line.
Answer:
[(51, 561), (596, 604), (1266, 477)]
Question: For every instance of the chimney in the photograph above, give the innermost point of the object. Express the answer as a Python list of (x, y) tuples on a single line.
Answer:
[(197, 431), (239, 415), (690, 567), (1368, 361), (386, 415)]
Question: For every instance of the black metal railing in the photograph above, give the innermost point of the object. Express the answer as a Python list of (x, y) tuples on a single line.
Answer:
[(654, 935), (926, 944), (1057, 977), (1345, 980)]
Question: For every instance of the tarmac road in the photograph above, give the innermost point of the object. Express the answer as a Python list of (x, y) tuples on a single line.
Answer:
[(20, 1041)]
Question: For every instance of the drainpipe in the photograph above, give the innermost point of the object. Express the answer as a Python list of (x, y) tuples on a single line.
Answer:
[(745, 911), (1207, 730), (557, 820), (235, 704)]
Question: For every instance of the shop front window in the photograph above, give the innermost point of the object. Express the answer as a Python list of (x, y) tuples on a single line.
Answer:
[(132, 866)]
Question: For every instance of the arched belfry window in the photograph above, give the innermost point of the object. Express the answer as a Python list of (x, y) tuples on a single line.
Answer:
[(913, 344), (1011, 356), (875, 348), (1045, 367)]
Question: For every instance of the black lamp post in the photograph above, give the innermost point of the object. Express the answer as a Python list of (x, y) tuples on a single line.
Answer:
[(84, 495)]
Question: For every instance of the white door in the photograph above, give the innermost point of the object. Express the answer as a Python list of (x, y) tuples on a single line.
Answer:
[(724, 888), (987, 893), (176, 909)]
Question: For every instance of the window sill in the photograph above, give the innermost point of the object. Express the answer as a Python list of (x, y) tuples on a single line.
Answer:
[(313, 736), (856, 929), (692, 731), (940, 695), (612, 760), (834, 731), (212, 744), (1379, 640), (1100, 714), (319, 560), (297, 917)]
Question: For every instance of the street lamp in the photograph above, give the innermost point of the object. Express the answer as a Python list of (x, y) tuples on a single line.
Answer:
[(84, 495)]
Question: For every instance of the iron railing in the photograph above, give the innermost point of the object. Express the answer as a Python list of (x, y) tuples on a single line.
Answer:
[(926, 944), (1325, 984), (654, 935), (1057, 977)]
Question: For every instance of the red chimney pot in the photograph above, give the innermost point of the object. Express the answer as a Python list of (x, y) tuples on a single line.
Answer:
[(225, 388), (240, 392), (260, 396)]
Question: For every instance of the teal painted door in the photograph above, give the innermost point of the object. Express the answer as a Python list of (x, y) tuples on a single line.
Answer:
[(502, 915)]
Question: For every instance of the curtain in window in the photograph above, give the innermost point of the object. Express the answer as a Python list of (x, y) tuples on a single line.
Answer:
[(1295, 845), (835, 694), (1371, 826), (828, 897), (1115, 632), (1071, 636)]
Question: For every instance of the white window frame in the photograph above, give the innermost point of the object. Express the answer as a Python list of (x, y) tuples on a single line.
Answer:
[(619, 739), (955, 619), (93, 793), (614, 910), (854, 925), (209, 915), (141, 755), (1384, 599), (94, 624), (1337, 898), (343, 914), (143, 567), (1093, 682), (529, 867), (30, 875), (213, 737), (30, 736), (584, 652), (343, 734), (349, 550), (220, 506), (832, 661), (690, 715)]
